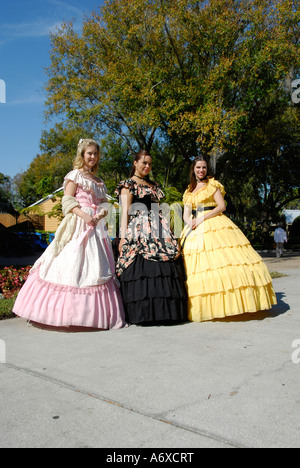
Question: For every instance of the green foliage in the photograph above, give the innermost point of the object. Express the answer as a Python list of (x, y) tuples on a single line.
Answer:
[(6, 197), (179, 78), (195, 71), (172, 195), (57, 211), (262, 171), (47, 170), (116, 162)]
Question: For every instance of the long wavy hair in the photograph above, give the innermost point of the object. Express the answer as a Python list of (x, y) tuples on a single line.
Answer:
[(193, 180), (81, 148)]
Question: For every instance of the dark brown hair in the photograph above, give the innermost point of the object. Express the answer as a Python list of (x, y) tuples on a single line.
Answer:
[(139, 156), (193, 180)]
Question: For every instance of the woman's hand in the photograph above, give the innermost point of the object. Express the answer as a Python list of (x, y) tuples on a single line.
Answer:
[(88, 219), (93, 221), (100, 215), (195, 223)]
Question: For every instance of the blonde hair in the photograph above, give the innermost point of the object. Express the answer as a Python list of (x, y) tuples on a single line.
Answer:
[(81, 148)]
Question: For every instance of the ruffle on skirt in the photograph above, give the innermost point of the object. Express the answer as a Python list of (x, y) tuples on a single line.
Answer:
[(66, 306), (229, 303), (154, 291)]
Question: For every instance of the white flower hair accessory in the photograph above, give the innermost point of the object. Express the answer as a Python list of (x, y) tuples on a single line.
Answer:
[(81, 141)]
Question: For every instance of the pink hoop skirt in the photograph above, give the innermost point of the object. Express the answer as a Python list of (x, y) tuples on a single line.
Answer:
[(77, 287), (66, 306)]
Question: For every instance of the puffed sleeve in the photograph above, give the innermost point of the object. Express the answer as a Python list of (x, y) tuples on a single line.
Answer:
[(128, 184), (157, 192), (186, 197), (219, 186), (73, 176)]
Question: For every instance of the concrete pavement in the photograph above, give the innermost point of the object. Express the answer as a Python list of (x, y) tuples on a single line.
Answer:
[(226, 383)]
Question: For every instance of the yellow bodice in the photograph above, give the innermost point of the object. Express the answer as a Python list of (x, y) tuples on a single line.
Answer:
[(204, 196)]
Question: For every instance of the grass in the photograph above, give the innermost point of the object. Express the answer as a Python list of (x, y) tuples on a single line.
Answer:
[(6, 306), (276, 274)]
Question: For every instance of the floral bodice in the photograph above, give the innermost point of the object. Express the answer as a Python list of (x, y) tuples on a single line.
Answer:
[(147, 234), (141, 193), (88, 191), (204, 196)]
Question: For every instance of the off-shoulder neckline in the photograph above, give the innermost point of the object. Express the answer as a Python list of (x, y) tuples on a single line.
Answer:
[(144, 185), (208, 183), (200, 190), (94, 180), (87, 184)]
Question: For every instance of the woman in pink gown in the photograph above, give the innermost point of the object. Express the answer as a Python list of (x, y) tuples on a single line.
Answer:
[(73, 284)]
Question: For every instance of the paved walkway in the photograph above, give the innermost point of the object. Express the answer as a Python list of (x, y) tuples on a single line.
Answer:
[(226, 383), (290, 261)]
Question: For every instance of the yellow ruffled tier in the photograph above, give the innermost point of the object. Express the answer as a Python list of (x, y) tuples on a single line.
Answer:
[(228, 278), (229, 303), (225, 275), (213, 234)]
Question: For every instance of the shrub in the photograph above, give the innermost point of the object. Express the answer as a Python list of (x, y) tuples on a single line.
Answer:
[(12, 279)]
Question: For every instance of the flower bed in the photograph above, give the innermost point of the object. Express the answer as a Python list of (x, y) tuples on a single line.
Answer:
[(12, 279)]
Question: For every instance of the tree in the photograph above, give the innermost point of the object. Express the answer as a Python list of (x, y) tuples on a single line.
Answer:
[(193, 70), (183, 77), (115, 162), (47, 171), (262, 171), (6, 196)]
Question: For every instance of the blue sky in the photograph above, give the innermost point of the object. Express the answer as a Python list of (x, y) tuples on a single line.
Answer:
[(25, 26)]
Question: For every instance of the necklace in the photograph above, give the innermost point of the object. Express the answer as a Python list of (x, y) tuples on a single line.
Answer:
[(146, 183), (138, 177), (201, 180)]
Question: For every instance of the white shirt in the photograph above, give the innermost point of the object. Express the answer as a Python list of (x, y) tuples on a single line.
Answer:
[(280, 235)]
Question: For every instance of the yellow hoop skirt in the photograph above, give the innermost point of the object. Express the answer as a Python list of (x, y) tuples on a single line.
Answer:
[(225, 275)]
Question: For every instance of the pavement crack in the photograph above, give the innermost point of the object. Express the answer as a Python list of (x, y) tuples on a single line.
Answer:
[(104, 399)]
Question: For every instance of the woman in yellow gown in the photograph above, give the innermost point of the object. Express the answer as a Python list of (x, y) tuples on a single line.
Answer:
[(225, 275)]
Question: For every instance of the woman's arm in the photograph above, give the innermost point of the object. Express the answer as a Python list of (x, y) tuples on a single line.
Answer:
[(187, 213), (220, 208), (71, 190), (126, 202)]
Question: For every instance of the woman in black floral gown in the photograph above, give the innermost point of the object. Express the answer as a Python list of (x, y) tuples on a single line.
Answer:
[(150, 267)]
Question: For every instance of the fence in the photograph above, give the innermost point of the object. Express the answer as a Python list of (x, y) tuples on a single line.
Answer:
[(9, 221)]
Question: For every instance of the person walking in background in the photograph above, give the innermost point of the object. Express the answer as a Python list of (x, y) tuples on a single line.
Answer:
[(225, 275), (280, 238), (149, 267), (73, 284)]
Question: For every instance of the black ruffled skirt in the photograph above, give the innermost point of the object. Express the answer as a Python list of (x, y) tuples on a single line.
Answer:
[(154, 291)]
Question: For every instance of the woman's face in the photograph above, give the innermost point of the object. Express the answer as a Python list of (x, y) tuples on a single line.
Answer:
[(200, 170), (143, 166), (90, 157)]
